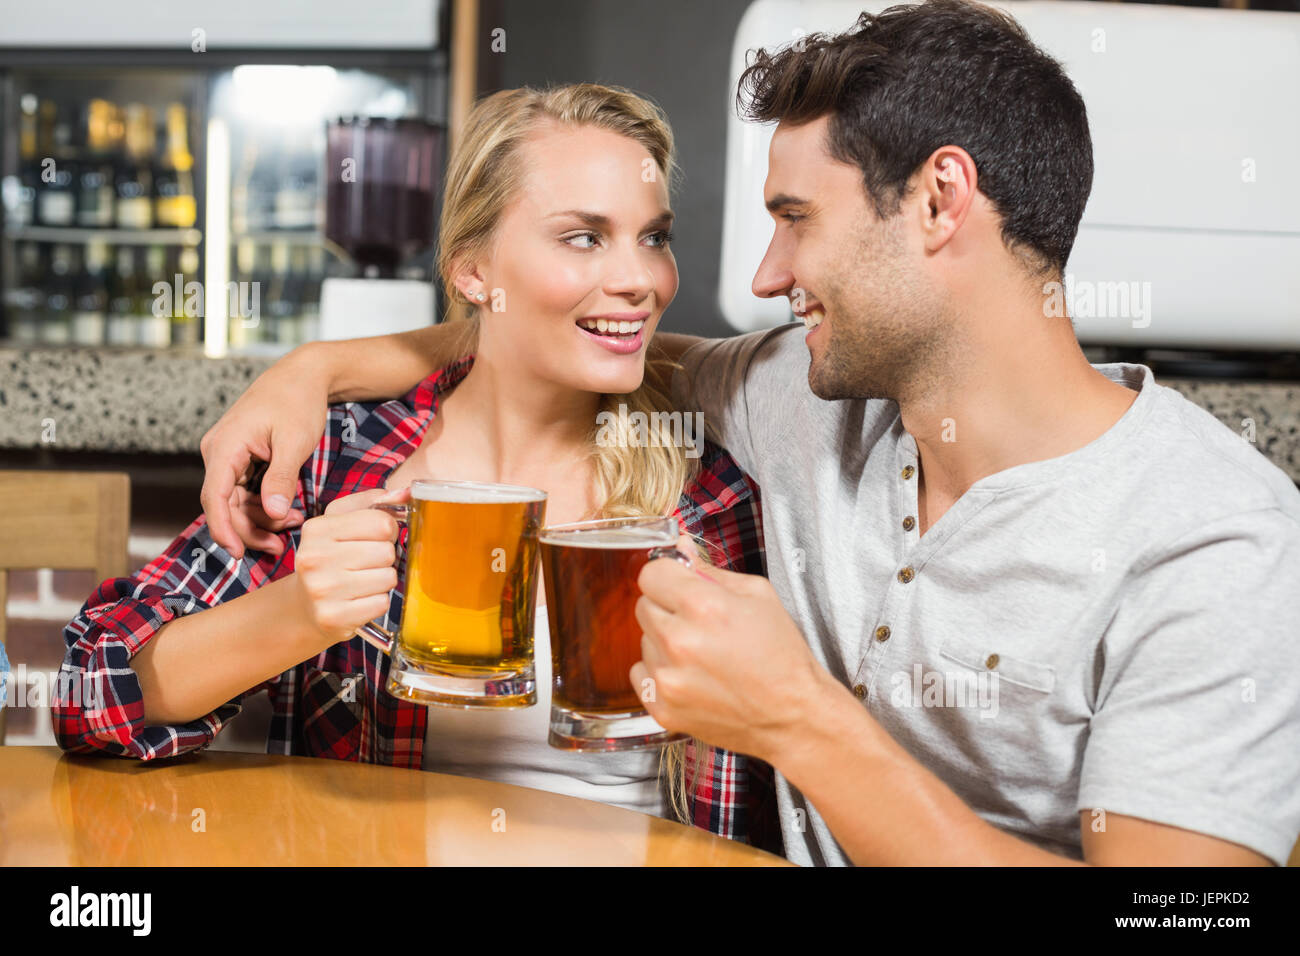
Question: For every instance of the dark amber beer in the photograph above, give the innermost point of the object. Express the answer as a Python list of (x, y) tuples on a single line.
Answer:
[(466, 636), (590, 571)]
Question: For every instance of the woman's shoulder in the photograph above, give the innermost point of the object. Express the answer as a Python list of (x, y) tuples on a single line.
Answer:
[(373, 419), (720, 484), (364, 440), (720, 505)]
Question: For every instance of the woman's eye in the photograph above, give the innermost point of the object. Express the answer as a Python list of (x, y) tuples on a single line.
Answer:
[(661, 238), (575, 240)]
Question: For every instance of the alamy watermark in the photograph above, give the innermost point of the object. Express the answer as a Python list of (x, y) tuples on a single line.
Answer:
[(1085, 299), (61, 688), (243, 299), (927, 688), (654, 430)]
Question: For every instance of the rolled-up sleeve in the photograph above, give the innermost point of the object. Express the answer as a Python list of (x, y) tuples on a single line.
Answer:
[(98, 706)]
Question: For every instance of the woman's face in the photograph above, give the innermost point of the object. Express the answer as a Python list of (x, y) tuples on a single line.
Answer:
[(583, 245)]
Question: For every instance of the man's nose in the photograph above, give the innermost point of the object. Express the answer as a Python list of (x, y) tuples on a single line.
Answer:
[(773, 277)]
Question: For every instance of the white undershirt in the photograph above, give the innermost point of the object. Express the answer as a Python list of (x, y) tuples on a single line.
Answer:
[(510, 746)]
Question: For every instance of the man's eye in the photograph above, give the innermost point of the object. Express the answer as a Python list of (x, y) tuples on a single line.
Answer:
[(791, 217), (574, 240)]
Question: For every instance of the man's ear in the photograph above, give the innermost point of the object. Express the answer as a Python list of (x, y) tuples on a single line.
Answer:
[(947, 184)]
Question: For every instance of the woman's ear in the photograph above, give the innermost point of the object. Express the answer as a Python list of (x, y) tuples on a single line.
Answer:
[(470, 282)]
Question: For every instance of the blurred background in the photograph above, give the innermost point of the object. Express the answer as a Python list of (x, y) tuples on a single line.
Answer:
[(191, 190)]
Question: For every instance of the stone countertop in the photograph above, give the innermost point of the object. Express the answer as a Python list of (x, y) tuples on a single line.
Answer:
[(1271, 410), (117, 400), (136, 400)]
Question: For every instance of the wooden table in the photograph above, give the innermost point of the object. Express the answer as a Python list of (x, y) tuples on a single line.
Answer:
[(219, 809)]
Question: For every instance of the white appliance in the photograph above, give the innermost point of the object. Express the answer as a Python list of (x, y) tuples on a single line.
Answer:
[(350, 308), (1195, 120)]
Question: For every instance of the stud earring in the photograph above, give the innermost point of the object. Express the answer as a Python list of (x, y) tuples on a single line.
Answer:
[(481, 297)]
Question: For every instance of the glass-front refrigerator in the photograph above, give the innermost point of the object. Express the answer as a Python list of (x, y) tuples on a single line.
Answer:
[(175, 199)]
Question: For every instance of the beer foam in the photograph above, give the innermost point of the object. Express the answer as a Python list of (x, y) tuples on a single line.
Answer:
[(473, 492), (629, 537)]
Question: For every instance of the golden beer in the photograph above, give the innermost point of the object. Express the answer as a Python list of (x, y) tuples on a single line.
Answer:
[(466, 636)]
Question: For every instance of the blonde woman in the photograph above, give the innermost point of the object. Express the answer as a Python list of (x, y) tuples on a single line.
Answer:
[(554, 241)]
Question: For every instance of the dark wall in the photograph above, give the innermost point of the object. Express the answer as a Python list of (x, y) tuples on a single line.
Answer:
[(676, 52)]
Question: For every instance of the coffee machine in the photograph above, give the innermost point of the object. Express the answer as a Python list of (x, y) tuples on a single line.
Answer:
[(381, 192)]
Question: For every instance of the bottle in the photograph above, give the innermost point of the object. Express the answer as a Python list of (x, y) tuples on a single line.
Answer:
[(263, 186), (56, 328), (173, 176), (121, 299), (23, 211), (89, 320), (296, 198), (185, 327), (281, 301), (26, 301), (242, 328), (95, 189), (313, 276), (134, 180), (155, 314), (56, 201)]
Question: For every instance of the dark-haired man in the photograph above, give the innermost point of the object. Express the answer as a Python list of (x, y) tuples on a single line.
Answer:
[(1021, 609)]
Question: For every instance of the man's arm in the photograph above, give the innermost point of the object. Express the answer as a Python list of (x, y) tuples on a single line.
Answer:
[(751, 685), (384, 366), (281, 417), (885, 808)]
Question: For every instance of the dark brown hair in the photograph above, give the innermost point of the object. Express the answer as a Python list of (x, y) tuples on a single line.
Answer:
[(903, 83)]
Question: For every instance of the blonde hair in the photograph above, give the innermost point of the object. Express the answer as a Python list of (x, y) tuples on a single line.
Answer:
[(484, 175)]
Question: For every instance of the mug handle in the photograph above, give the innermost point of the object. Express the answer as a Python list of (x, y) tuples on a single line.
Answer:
[(374, 634)]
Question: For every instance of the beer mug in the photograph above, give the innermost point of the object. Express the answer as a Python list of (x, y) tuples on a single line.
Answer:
[(590, 570), (466, 634)]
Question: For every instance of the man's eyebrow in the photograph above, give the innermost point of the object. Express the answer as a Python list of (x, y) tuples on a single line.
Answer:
[(781, 199), (599, 221)]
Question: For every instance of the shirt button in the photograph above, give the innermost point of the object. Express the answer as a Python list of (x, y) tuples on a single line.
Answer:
[(859, 691), (906, 575), (909, 523), (908, 472), (992, 662), (882, 633)]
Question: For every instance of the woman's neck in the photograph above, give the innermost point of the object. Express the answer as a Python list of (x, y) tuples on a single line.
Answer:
[(510, 427)]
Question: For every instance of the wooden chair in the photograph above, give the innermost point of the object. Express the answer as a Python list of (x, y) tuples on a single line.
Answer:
[(62, 520)]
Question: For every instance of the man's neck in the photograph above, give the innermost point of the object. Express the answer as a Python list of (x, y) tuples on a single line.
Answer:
[(1026, 395)]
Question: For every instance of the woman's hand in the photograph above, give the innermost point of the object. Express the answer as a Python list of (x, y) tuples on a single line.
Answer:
[(280, 420), (343, 567)]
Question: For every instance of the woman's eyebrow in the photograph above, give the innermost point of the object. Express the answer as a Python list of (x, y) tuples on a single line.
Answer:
[(599, 221)]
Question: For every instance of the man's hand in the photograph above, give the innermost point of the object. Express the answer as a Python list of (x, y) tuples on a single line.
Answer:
[(280, 420), (727, 662)]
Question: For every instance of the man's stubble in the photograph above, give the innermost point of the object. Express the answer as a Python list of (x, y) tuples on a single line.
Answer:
[(890, 329)]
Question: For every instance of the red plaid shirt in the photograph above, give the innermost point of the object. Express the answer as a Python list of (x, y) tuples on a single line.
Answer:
[(313, 712)]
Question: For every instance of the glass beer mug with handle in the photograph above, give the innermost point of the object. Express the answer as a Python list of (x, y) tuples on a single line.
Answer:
[(590, 570), (466, 634)]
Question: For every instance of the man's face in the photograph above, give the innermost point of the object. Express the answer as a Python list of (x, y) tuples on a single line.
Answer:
[(881, 316)]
